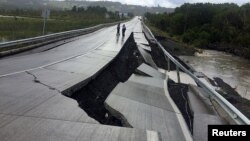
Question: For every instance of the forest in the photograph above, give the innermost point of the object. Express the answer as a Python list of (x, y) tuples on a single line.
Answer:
[(224, 27)]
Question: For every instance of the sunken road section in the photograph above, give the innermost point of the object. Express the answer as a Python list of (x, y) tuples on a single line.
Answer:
[(92, 96)]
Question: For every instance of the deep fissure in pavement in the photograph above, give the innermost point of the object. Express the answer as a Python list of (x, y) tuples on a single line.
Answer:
[(92, 96), (177, 91), (179, 94)]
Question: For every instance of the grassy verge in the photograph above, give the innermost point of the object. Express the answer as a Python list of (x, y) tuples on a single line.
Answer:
[(171, 44), (19, 28)]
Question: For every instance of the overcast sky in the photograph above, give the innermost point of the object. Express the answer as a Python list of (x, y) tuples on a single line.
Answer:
[(172, 3)]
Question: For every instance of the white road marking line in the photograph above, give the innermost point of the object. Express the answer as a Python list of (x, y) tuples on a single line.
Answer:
[(53, 63)]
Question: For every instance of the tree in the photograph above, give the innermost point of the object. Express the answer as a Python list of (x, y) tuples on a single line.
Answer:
[(202, 24)]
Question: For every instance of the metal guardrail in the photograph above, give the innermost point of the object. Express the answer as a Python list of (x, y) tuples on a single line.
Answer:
[(53, 36), (235, 114)]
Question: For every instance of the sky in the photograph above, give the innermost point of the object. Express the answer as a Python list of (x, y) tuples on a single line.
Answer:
[(172, 3)]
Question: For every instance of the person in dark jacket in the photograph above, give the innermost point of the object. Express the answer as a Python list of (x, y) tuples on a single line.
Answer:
[(118, 29), (123, 30)]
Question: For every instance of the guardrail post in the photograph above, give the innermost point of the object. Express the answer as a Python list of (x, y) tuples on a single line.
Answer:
[(168, 64), (168, 60), (178, 74)]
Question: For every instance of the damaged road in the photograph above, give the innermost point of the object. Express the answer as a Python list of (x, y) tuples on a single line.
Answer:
[(39, 82), (92, 96), (114, 83), (31, 85)]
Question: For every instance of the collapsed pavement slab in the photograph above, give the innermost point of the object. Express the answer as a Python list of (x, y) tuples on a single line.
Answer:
[(30, 128), (144, 106), (27, 97), (151, 71), (204, 113), (147, 57)]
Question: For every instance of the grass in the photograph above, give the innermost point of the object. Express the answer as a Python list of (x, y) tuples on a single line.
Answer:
[(171, 43), (157, 31), (19, 28)]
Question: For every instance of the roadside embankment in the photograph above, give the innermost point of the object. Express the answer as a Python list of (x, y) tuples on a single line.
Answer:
[(173, 46), (233, 96), (243, 52)]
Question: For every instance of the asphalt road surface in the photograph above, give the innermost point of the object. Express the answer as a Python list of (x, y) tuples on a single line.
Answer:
[(82, 45), (31, 104)]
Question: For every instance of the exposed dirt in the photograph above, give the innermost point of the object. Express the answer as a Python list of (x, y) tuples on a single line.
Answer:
[(233, 97), (159, 57), (179, 94)]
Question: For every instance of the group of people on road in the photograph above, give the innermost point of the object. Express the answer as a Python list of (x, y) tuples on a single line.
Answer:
[(123, 29)]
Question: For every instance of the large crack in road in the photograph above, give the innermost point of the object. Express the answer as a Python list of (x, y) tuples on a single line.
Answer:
[(92, 96), (36, 80)]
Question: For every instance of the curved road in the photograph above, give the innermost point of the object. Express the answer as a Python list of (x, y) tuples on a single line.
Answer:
[(104, 37), (32, 84)]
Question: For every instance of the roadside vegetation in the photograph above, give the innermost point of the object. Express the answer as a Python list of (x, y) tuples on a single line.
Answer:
[(172, 45), (19, 24), (224, 27)]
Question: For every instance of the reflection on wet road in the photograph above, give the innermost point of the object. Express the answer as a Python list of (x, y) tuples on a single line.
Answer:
[(118, 38), (233, 70)]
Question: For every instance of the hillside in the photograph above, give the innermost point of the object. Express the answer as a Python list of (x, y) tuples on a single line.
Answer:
[(111, 6), (21, 4)]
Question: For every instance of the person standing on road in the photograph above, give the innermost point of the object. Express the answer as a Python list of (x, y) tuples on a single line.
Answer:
[(123, 30), (118, 29)]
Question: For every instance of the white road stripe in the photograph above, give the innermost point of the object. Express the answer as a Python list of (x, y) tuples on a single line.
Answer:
[(53, 63)]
